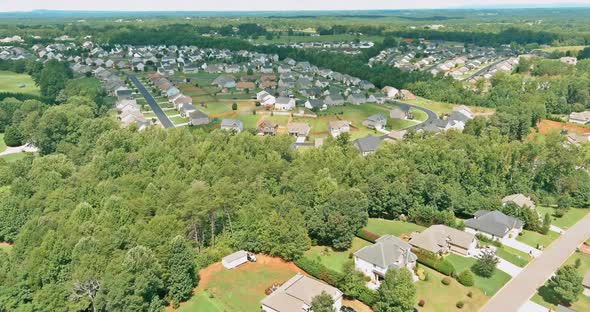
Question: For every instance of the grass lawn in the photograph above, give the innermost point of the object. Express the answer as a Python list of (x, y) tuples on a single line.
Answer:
[(570, 218), (545, 296), (178, 120), (2, 144), (171, 112), (10, 81), (441, 298), (213, 108), (533, 238), (149, 115), (397, 124), (249, 120), (439, 108), (202, 301), (489, 286), (513, 256), (332, 259), (419, 115), (13, 157), (393, 227), (563, 49), (235, 96)]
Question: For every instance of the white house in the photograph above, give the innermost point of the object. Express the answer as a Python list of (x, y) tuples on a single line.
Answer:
[(296, 294), (285, 103), (235, 259), (390, 92), (388, 252), (337, 127), (265, 98)]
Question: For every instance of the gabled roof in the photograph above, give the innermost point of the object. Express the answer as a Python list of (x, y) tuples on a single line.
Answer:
[(231, 123), (197, 114), (367, 144), (297, 293), (520, 200), (386, 252), (493, 222), (435, 238)]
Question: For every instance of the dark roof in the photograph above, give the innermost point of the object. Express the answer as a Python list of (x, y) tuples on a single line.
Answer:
[(197, 114), (367, 144), (493, 222)]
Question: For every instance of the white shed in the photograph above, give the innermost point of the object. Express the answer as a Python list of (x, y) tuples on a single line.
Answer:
[(235, 259)]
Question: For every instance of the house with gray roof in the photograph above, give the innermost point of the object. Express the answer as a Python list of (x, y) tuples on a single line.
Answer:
[(493, 224), (235, 125), (357, 99), (441, 239), (334, 100), (317, 104), (388, 252), (367, 145), (377, 121), (296, 294), (197, 118)]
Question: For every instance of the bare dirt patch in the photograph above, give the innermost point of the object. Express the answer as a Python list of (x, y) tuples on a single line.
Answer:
[(546, 126)]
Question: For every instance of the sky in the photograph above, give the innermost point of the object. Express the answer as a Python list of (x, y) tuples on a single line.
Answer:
[(265, 5)]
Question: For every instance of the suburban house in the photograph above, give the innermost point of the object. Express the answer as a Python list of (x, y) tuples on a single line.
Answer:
[(376, 98), (316, 104), (406, 95), (265, 98), (493, 224), (267, 128), (123, 93), (185, 109), (577, 139), (180, 100), (298, 129), (367, 145), (235, 125), (580, 118), (377, 121), (441, 239), (464, 110), (357, 99), (334, 100), (235, 259), (398, 113), (224, 82), (390, 92), (285, 103), (337, 127), (245, 85), (388, 252), (519, 200), (296, 294), (197, 118)]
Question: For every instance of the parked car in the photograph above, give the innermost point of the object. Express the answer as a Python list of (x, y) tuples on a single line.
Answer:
[(347, 309)]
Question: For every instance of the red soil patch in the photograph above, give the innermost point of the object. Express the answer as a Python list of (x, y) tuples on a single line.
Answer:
[(546, 126), (357, 305), (585, 248)]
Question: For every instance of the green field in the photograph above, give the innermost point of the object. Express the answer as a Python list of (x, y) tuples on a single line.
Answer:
[(332, 259), (513, 256), (10, 81), (249, 120), (533, 238), (13, 157), (489, 286), (570, 218), (213, 108), (171, 112), (201, 301), (393, 227), (2, 144), (178, 120), (545, 296), (341, 37), (442, 298), (398, 124)]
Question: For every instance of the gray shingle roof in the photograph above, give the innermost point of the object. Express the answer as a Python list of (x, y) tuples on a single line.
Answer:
[(493, 222), (386, 251), (367, 144)]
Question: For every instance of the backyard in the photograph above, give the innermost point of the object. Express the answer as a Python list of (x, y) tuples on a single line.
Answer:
[(393, 227), (570, 218), (10, 82), (545, 296), (332, 259), (489, 286)]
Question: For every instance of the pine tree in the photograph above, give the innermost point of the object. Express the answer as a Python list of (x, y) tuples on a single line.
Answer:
[(181, 270)]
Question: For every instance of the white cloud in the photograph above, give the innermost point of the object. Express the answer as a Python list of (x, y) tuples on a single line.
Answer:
[(257, 5)]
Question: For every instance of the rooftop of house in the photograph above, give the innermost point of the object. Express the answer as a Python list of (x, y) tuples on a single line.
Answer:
[(436, 237), (386, 251), (298, 292), (493, 222)]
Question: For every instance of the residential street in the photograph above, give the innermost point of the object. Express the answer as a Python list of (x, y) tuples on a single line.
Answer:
[(522, 287), (164, 120)]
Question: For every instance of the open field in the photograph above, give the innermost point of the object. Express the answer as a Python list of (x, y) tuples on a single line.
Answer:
[(6, 247), (341, 37), (333, 259), (570, 218), (545, 296), (2, 144), (535, 239), (393, 227), (489, 286), (563, 49), (13, 157), (441, 108), (441, 298), (10, 81)]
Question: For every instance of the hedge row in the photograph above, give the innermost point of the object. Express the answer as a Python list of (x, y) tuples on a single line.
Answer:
[(24, 97), (367, 235), (331, 277), (430, 260)]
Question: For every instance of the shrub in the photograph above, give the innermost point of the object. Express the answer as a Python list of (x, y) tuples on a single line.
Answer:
[(466, 278), (460, 304), (430, 260), (446, 280), (13, 136), (421, 303), (317, 270), (367, 235), (470, 294), (485, 264)]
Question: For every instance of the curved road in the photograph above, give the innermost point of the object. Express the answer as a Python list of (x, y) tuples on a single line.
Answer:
[(432, 116), (166, 123), (523, 286)]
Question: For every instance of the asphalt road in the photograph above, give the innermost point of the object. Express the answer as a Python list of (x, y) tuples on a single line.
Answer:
[(432, 116), (166, 123), (522, 287)]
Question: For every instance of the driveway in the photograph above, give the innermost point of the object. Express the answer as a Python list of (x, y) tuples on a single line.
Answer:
[(166, 123), (522, 287), (556, 229), (29, 148), (512, 242), (530, 306)]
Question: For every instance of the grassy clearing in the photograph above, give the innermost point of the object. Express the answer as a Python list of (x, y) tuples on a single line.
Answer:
[(202, 301), (2, 144), (439, 108), (249, 121), (339, 38), (513, 256), (213, 108), (535, 239), (563, 49), (178, 120), (10, 82), (570, 218), (13, 157), (545, 296), (398, 124), (489, 286), (171, 112), (149, 115), (441, 298), (333, 259), (393, 227)]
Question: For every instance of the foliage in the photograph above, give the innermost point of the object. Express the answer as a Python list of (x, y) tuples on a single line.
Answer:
[(181, 279), (397, 292), (566, 284), (431, 260), (466, 278), (446, 280), (367, 235), (13, 136), (322, 303), (485, 264)]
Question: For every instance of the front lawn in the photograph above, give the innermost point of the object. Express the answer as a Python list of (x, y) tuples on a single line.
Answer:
[(214, 108), (250, 121), (570, 218), (535, 239), (545, 296), (332, 259), (438, 108), (489, 286), (393, 227), (513, 256), (399, 124), (441, 298)]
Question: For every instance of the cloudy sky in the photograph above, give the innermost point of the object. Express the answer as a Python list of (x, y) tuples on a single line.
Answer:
[(257, 5)]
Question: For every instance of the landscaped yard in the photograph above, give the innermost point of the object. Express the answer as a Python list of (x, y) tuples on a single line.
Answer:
[(10, 82), (441, 298), (2, 144), (570, 218), (335, 259), (439, 108), (489, 286), (398, 124), (513, 256), (535, 239), (393, 227), (545, 296)]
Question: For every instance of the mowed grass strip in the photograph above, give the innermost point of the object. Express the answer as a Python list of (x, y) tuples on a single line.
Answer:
[(10, 82), (392, 227), (535, 239)]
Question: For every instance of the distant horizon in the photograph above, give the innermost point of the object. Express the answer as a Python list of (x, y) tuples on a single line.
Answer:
[(31, 6)]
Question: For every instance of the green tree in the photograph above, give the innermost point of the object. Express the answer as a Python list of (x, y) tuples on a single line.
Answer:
[(53, 78), (485, 265), (566, 284), (181, 268), (234, 106), (322, 303), (13, 136), (351, 282), (397, 292)]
